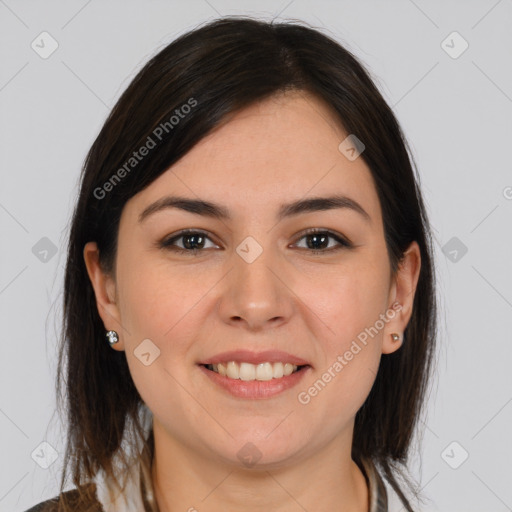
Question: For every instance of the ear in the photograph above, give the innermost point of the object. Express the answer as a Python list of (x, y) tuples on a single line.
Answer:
[(401, 297), (105, 291)]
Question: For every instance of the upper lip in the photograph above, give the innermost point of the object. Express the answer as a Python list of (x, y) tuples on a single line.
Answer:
[(246, 356)]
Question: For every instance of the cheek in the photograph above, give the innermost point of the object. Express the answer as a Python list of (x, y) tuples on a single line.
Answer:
[(164, 304), (158, 305), (351, 357), (156, 298), (349, 303), (350, 307)]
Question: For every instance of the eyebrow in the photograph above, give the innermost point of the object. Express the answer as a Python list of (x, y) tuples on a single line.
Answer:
[(214, 210)]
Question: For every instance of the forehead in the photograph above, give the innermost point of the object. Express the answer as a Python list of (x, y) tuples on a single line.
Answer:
[(275, 151)]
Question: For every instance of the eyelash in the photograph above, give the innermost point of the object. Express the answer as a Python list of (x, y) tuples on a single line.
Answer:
[(343, 242)]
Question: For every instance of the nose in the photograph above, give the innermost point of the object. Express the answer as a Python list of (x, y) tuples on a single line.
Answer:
[(255, 294)]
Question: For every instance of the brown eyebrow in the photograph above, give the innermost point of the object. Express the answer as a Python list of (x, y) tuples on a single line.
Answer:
[(209, 209)]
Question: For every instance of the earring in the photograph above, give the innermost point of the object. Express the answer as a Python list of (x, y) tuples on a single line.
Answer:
[(112, 337), (395, 336)]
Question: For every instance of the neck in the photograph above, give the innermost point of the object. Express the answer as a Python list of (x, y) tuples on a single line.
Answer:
[(186, 480)]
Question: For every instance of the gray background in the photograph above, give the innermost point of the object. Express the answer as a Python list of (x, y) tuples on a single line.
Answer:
[(456, 113)]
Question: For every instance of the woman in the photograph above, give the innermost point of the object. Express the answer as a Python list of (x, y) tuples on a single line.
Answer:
[(249, 293)]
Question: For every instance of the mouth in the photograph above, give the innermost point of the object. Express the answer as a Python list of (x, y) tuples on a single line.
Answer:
[(249, 375), (249, 372)]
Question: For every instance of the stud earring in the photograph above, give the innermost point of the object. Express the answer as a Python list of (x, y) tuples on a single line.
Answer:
[(395, 336), (112, 337)]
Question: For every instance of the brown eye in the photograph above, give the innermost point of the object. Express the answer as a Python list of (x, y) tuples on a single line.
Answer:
[(317, 241), (192, 242)]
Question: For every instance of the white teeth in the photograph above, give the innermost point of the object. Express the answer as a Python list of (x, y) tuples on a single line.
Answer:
[(288, 369), (248, 371), (233, 370), (278, 370), (264, 371)]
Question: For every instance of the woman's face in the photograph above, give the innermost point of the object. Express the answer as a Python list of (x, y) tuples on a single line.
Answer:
[(254, 287)]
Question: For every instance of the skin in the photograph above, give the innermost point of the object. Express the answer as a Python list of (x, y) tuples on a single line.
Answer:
[(193, 307)]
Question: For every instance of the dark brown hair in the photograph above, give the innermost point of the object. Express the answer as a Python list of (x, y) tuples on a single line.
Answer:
[(224, 66)]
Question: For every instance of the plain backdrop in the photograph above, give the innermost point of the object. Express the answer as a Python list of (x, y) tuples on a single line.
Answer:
[(445, 67)]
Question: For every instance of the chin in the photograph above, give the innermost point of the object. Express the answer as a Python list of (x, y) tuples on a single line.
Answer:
[(261, 448)]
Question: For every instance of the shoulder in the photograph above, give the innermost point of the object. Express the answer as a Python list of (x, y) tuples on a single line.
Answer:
[(76, 501)]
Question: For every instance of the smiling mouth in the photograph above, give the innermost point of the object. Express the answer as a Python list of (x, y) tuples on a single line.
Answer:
[(250, 372)]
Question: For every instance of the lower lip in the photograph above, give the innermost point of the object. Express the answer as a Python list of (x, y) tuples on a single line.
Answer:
[(255, 389)]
